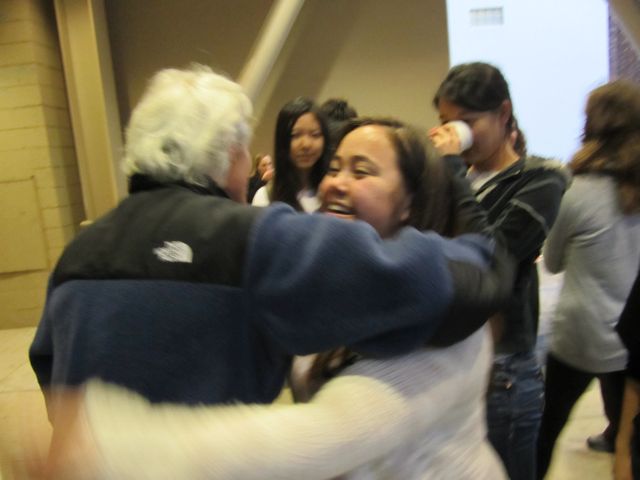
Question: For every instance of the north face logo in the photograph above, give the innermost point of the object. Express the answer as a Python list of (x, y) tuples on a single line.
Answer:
[(174, 252)]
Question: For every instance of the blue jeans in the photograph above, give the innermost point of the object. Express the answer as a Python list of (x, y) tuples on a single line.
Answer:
[(514, 409)]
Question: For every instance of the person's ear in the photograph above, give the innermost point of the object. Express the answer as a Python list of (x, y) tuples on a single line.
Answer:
[(234, 152), (238, 173), (405, 212), (505, 111)]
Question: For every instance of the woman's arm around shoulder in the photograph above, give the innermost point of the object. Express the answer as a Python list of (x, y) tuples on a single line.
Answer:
[(118, 434)]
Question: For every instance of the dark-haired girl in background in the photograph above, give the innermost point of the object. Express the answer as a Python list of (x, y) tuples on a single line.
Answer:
[(521, 196), (301, 155)]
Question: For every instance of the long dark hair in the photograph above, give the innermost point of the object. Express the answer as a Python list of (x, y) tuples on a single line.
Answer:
[(476, 86), (286, 181), (611, 140)]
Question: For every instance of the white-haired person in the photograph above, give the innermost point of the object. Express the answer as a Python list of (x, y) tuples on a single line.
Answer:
[(183, 294)]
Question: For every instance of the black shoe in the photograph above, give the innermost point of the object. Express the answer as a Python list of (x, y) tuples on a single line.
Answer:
[(600, 443)]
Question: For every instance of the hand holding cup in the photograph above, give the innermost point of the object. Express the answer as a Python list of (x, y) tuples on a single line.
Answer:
[(452, 138)]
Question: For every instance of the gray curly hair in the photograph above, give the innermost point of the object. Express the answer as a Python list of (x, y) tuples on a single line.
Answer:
[(184, 125)]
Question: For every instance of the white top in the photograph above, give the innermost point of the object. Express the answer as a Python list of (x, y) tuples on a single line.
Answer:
[(261, 197), (599, 249), (478, 179), (419, 416), (308, 199), (445, 392)]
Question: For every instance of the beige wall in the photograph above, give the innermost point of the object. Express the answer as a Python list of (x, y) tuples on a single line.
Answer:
[(39, 184), (385, 57), (147, 35), (88, 72), (393, 59)]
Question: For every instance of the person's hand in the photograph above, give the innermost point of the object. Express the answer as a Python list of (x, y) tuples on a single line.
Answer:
[(622, 465), (72, 453), (27, 457), (267, 175), (445, 139)]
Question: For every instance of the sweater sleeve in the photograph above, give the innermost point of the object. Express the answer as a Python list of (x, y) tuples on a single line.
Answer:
[(525, 222), (126, 437), (555, 247), (557, 243), (319, 282)]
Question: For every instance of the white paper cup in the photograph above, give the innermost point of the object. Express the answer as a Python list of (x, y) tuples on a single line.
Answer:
[(464, 133)]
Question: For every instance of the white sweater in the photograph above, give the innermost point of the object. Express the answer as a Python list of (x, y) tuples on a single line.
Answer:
[(444, 391), (420, 416)]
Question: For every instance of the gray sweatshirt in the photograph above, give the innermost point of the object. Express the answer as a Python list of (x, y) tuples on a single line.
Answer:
[(599, 249)]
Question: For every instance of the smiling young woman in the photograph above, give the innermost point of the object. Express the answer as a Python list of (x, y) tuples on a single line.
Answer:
[(301, 153), (364, 181), (387, 174)]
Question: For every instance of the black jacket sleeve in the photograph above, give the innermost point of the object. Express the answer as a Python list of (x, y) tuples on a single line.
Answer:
[(476, 298), (471, 216)]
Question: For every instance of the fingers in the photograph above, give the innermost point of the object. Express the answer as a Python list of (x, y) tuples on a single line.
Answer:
[(445, 140), (268, 175)]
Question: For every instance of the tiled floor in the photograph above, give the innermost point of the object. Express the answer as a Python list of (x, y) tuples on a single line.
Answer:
[(21, 405), (22, 409)]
